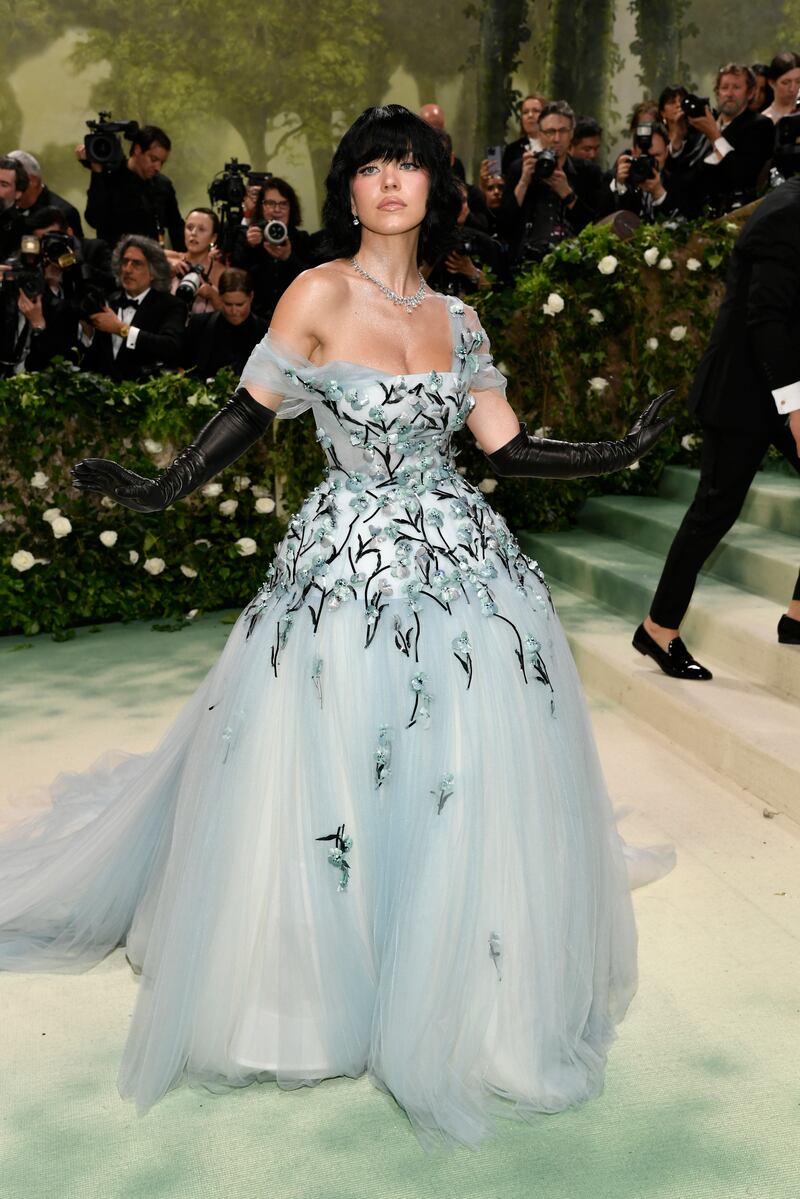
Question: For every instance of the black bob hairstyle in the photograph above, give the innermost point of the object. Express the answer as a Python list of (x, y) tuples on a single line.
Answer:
[(389, 133)]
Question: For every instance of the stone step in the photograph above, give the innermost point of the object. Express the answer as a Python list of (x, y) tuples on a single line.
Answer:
[(729, 724), (773, 500), (751, 556), (724, 623)]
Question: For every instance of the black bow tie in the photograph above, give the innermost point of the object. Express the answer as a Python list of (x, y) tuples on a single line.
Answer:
[(128, 303)]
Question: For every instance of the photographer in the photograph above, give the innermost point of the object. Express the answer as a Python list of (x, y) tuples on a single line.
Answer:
[(214, 340), (13, 181), (549, 196), (460, 268), (642, 182), (587, 139), (39, 319), (682, 139), (736, 147), (140, 329), (38, 196), (530, 110), (272, 248), (196, 271), (135, 197)]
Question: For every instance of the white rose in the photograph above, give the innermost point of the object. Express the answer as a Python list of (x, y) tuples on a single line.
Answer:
[(39, 480), (652, 344), (607, 265), (108, 537), (50, 514), (154, 566), (107, 502), (689, 441), (61, 526), (677, 332), (259, 492), (553, 305), (241, 483), (665, 264), (228, 507), (651, 256), (246, 546), (598, 384), (693, 264), (212, 489), (188, 572), (190, 615), (487, 486), (265, 504), (542, 431), (202, 541), (133, 557), (634, 466), (595, 316), (22, 560), (152, 447)]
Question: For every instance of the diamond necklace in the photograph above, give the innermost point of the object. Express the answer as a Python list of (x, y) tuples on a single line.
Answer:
[(407, 302)]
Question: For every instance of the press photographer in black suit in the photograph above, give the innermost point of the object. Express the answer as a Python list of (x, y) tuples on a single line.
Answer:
[(643, 182), (540, 211), (226, 338), (728, 164), (135, 197), (13, 181), (37, 195), (746, 394), (140, 330)]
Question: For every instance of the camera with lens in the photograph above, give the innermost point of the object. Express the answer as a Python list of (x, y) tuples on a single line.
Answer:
[(103, 145), (694, 106), (190, 284), (229, 189), (643, 136), (546, 163), (786, 156), (26, 271), (643, 167), (275, 232)]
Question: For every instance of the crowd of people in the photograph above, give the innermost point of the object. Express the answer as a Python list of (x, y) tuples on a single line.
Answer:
[(154, 291)]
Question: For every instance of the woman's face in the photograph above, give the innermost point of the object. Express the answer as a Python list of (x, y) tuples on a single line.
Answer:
[(274, 206), (786, 88), (390, 197), (671, 109), (236, 306), (198, 233), (529, 117)]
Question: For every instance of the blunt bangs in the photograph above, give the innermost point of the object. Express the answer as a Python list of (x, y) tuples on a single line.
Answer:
[(389, 133)]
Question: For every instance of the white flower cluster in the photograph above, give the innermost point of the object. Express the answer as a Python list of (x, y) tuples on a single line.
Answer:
[(607, 265), (60, 525), (595, 316)]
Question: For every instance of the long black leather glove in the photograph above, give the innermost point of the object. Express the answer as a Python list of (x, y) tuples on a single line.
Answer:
[(538, 457), (225, 438)]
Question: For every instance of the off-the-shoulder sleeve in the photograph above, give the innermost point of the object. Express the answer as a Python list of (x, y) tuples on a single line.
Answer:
[(285, 373), (475, 352)]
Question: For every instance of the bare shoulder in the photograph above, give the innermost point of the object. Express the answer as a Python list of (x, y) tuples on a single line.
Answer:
[(305, 308)]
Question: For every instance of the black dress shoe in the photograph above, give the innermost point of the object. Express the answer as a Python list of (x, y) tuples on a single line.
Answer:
[(789, 630), (676, 661)]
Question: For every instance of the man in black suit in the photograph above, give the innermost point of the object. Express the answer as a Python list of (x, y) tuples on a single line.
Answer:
[(537, 213), (140, 329), (658, 195), (736, 146), (37, 195), (135, 197), (746, 394)]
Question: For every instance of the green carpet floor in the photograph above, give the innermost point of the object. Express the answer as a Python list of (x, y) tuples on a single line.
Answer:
[(702, 1095)]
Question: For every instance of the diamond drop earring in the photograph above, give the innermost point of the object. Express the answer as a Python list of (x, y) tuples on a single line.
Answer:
[(355, 219)]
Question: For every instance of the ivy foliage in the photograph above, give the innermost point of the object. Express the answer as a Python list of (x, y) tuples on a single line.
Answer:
[(584, 352)]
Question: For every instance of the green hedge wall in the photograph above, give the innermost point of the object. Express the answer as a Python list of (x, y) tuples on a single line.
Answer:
[(586, 337)]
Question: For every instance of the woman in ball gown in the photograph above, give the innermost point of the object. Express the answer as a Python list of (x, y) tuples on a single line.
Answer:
[(377, 837)]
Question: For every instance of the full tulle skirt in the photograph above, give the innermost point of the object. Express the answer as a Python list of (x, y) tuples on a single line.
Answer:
[(396, 857)]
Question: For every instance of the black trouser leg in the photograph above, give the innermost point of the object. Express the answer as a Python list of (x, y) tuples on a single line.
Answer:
[(784, 442), (729, 463)]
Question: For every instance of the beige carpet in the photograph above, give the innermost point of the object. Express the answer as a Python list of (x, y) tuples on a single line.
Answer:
[(702, 1097)]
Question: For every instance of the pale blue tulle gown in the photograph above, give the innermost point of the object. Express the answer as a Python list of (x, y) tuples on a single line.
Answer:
[(377, 837)]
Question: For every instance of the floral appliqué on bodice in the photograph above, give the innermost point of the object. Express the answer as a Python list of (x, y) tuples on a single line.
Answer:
[(394, 527)]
